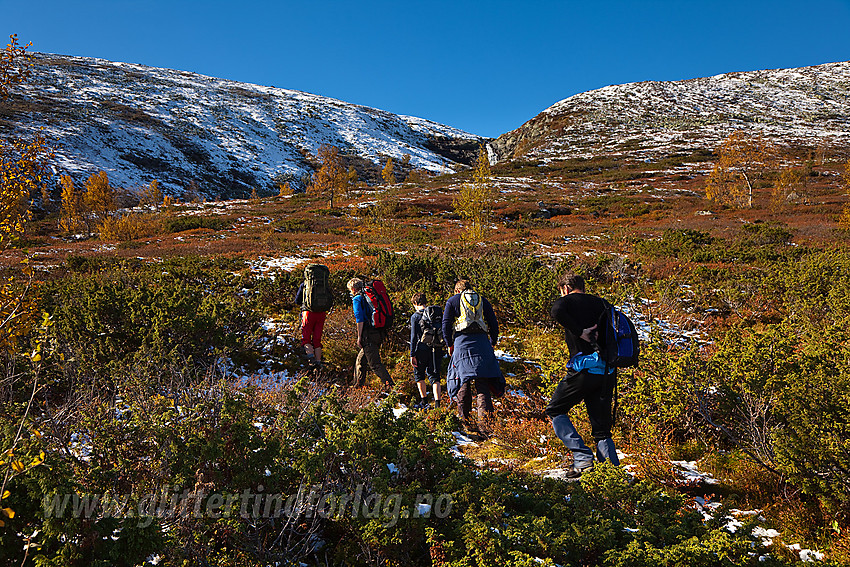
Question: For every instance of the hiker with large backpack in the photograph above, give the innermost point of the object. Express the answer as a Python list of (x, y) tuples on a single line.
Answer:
[(426, 347), (315, 298), (591, 375), (471, 330), (373, 315)]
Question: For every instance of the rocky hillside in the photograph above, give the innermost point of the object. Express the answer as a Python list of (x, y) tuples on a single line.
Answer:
[(141, 123), (809, 107)]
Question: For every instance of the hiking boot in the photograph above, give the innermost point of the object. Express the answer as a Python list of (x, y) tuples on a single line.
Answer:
[(573, 472)]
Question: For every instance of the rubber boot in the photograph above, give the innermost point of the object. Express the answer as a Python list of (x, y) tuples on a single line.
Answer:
[(317, 354)]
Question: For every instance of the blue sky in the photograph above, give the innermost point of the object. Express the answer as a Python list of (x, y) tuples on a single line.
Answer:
[(484, 67)]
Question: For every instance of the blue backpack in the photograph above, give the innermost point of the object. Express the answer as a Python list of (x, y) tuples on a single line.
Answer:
[(619, 346)]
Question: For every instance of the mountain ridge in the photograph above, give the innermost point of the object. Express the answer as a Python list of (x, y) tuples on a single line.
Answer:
[(805, 106), (138, 123), (228, 138)]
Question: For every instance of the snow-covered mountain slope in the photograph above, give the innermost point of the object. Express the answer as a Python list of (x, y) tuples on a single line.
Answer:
[(809, 106), (141, 123)]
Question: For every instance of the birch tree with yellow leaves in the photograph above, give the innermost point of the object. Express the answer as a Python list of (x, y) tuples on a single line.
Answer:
[(23, 172), (742, 159), (474, 203), (331, 180)]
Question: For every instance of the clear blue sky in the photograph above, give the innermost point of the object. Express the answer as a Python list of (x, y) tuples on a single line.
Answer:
[(484, 67)]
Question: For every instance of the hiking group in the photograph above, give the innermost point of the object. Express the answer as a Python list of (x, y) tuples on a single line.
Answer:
[(599, 338)]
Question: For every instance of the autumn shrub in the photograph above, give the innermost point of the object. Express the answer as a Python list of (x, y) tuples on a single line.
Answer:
[(815, 291), (520, 287), (813, 404), (209, 440), (339, 338), (549, 349), (130, 226), (530, 438), (662, 393), (678, 243), (745, 483), (757, 243), (292, 225), (184, 311), (193, 222)]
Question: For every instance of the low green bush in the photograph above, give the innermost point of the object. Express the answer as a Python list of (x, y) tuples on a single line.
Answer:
[(183, 223), (520, 287), (183, 312)]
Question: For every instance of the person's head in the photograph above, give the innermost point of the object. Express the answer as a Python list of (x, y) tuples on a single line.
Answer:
[(462, 285), (570, 283), (355, 286), (419, 299)]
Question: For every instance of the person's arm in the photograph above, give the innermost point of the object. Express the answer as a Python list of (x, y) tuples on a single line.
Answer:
[(492, 322), (414, 337), (299, 295), (360, 327), (359, 317), (449, 316)]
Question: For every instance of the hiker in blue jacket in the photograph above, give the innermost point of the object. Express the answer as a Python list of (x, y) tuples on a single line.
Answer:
[(586, 379), (471, 330), (369, 338), (426, 360)]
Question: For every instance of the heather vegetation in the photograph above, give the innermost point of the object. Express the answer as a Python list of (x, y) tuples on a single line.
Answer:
[(154, 411)]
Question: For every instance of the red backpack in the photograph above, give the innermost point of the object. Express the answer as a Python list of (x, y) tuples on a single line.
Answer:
[(379, 300)]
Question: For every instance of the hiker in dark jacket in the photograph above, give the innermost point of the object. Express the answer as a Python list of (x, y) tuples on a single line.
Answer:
[(312, 322), (426, 360), (471, 331), (579, 314)]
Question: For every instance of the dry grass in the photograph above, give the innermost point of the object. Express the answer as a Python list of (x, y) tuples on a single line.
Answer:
[(527, 438), (651, 453), (430, 203)]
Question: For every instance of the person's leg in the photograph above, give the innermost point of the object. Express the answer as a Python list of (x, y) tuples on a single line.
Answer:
[(306, 332), (464, 402), (484, 403), (360, 367), (436, 367), (316, 339), (372, 353), (423, 389), (599, 400), (567, 394), (566, 432), (421, 385)]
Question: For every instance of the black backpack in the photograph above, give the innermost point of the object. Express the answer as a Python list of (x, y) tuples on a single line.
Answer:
[(619, 346), (431, 325), (317, 291)]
